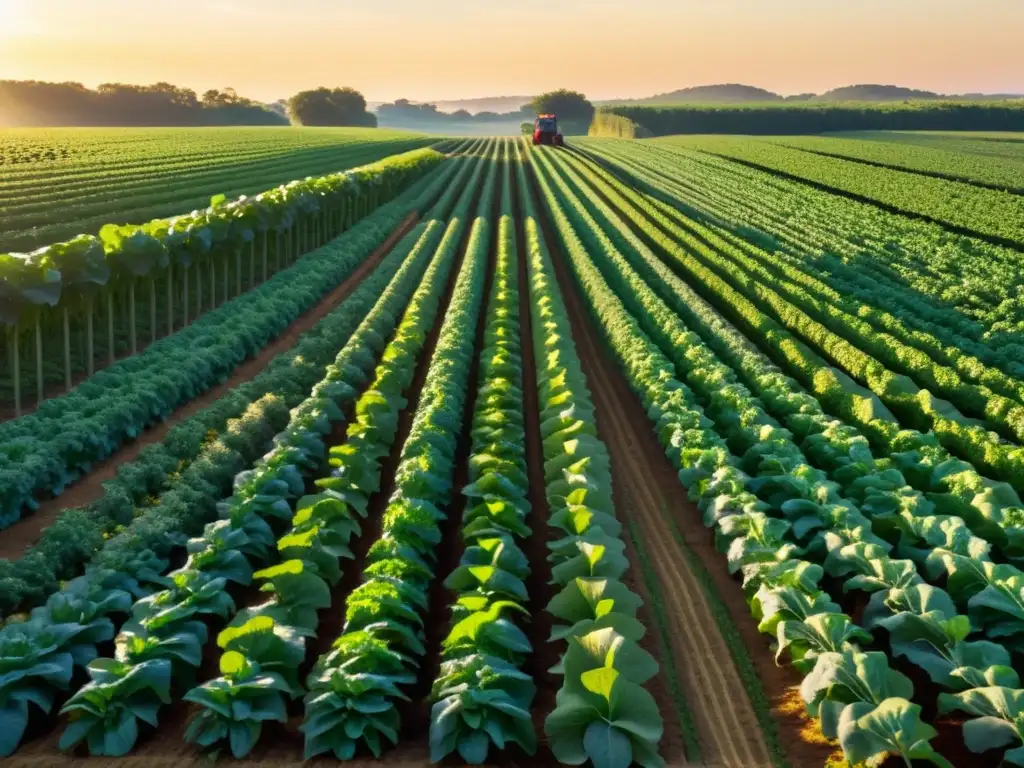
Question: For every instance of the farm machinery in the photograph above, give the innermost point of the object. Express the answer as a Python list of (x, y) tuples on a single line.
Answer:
[(545, 131)]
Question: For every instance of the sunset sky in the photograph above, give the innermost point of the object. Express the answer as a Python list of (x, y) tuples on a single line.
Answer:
[(447, 49)]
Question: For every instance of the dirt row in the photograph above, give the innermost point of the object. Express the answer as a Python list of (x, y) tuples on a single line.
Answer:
[(545, 655), (647, 493), (26, 532), (647, 490), (283, 743)]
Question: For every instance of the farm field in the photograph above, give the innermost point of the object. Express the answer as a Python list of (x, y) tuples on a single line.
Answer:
[(695, 451), (977, 204), (60, 182)]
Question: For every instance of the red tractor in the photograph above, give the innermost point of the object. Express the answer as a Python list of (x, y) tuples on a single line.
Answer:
[(545, 131)]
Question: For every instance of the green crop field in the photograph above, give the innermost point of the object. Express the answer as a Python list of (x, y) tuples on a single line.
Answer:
[(60, 182), (687, 451)]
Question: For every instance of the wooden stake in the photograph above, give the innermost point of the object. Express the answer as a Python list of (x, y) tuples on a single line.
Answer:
[(110, 328), (16, 369), (170, 299), (67, 351), (131, 317), (39, 362), (90, 349), (199, 290), (266, 237)]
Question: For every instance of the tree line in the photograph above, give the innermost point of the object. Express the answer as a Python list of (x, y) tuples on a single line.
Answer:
[(29, 103), (789, 119), (34, 103)]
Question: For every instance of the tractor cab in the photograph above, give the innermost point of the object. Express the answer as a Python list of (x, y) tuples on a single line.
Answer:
[(545, 130), (547, 123)]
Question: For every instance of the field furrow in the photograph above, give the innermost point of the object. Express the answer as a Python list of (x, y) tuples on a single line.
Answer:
[(614, 453)]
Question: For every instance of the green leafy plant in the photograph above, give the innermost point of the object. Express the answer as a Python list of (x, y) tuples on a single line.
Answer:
[(602, 713), (106, 712), (236, 705), (998, 719)]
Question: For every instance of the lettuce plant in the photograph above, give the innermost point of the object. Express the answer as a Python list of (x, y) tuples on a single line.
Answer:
[(236, 704)]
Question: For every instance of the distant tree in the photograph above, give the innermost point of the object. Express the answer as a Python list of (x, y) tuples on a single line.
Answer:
[(570, 106), (280, 107), (327, 106), (462, 114), (32, 103)]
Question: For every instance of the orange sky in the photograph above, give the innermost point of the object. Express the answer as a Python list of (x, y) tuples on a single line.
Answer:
[(444, 49)]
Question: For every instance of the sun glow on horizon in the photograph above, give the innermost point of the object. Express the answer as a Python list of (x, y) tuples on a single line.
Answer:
[(452, 49), (14, 19)]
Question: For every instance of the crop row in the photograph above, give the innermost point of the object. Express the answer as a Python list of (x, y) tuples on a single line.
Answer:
[(149, 488), (355, 688), (324, 523), (98, 182), (58, 290), (962, 436), (920, 261), (955, 486), (481, 695), (83, 200), (356, 474), (948, 337), (988, 212), (779, 521), (954, 165), (162, 640), (91, 151), (45, 451), (717, 480), (603, 713)]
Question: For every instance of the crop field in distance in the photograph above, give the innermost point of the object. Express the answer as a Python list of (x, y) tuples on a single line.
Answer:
[(691, 451), (56, 183)]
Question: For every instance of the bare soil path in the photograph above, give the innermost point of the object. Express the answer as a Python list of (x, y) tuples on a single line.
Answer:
[(645, 485), (647, 491)]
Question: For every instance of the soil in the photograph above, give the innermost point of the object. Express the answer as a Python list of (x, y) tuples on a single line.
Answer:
[(782, 683), (545, 654), (437, 622), (26, 532), (282, 743), (648, 492)]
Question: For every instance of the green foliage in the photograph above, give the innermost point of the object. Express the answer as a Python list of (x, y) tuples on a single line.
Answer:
[(263, 644), (807, 118), (354, 689), (758, 511), (603, 669), (573, 109), (60, 182), (266, 642), (236, 705), (990, 213), (107, 712), (330, 106), (47, 450)]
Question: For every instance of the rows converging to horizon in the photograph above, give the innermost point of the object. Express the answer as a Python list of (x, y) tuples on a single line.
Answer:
[(692, 450)]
